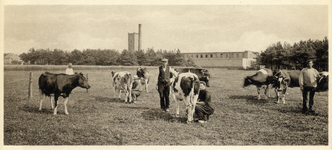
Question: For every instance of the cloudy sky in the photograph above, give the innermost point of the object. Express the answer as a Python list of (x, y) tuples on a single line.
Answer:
[(188, 27)]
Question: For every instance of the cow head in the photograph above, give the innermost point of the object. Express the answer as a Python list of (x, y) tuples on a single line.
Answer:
[(280, 81), (247, 81), (323, 82), (140, 72), (82, 81), (112, 74)]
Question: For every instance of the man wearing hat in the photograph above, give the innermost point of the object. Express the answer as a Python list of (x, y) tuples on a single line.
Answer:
[(69, 69), (163, 84)]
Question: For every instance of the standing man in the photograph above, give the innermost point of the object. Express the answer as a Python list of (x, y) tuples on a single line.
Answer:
[(163, 84), (308, 84), (69, 69)]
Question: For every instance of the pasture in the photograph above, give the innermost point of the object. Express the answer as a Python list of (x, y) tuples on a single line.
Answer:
[(97, 117)]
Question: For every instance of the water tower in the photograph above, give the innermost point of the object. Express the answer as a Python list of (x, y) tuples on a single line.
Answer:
[(135, 39)]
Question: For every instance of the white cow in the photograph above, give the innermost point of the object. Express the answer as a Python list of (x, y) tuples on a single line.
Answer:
[(122, 81), (185, 87)]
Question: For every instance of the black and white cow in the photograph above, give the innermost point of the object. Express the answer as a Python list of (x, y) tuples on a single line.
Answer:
[(323, 82), (202, 74), (262, 79), (60, 85), (122, 81), (185, 87), (144, 74), (285, 79)]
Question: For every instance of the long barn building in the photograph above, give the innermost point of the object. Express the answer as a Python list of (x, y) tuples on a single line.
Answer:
[(241, 60)]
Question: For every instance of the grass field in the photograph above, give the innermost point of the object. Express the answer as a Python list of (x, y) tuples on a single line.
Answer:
[(97, 117)]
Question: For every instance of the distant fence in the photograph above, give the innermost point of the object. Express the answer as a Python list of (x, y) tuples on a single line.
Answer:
[(76, 67), (85, 67), (56, 67)]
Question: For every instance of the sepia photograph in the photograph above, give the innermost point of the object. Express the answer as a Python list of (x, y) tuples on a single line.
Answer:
[(223, 74)]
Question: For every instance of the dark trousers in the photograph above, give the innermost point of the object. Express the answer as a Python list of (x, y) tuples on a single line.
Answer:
[(203, 112), (163, 89), (305, 91)]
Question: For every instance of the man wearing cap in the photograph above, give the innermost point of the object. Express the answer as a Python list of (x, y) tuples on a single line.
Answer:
[(163, 83), (69, 69)]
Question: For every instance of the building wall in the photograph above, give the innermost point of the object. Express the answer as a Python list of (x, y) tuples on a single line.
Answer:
[(8, 59), (223, 59), (132, 41)]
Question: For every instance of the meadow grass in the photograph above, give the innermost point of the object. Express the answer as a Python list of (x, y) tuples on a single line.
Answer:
[(98, 117)]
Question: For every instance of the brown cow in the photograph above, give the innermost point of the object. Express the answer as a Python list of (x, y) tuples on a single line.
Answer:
[(60, 85)]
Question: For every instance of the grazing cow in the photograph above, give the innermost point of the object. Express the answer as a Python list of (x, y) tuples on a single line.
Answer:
[(60, 85), (323, 82), (285, 79), (202, 74), (142, 72), (122, 81), (185, 87), (262, 79)]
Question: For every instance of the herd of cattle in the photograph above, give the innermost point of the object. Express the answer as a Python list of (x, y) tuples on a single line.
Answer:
[(184, 85)]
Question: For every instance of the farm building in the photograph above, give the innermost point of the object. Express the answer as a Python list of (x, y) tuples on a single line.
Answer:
[(243, 60), (10, 59)]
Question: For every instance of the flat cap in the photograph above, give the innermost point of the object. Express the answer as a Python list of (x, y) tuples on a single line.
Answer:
[(164, 60)]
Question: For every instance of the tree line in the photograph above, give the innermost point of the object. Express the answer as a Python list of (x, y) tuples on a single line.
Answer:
[(105, 57), (287, 56)]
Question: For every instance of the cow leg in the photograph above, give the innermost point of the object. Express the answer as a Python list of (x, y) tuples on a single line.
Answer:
[(65, 103), (259, 92), (56, 96), (128, 97), (129, 94), (146, 86), (120, 94), (189, 108), (284, 95), (42, 96), (194, 101), (267, 90), (52, 106), (176, 105), (278, 96)]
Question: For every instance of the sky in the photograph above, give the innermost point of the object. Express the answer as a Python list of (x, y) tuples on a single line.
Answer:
[(188, 27)]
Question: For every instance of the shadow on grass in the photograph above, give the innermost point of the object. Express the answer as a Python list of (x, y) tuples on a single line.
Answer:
[(30, 109), (158, 114), (106, 99), (133, 107), (252, 100)]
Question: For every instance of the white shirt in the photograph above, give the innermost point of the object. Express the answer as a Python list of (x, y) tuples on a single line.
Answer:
[(69, 71)]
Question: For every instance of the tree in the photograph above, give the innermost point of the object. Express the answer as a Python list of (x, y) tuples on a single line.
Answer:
[(128, 58), (141, 59)]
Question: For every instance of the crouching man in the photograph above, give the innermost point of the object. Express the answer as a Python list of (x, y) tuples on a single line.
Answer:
[(136, 88), (203, 108)]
